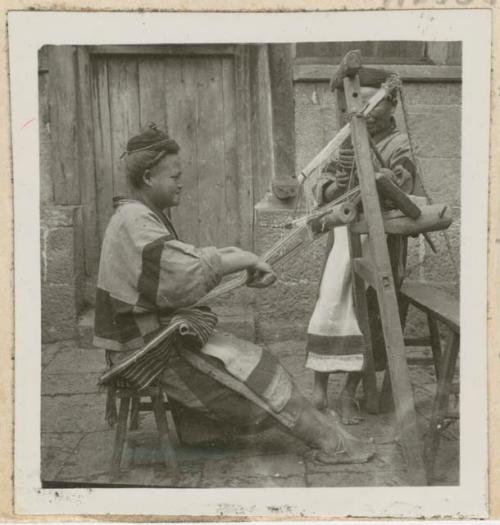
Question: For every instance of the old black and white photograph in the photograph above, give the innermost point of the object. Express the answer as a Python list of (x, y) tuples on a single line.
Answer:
[(250, 264)]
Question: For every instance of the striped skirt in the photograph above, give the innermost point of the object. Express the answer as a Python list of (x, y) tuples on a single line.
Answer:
[(230, 380), (334, 340)]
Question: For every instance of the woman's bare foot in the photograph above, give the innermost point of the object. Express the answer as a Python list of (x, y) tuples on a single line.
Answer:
[(349, 409)]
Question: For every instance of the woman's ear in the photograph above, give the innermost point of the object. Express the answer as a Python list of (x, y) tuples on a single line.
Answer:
[(146, 177)]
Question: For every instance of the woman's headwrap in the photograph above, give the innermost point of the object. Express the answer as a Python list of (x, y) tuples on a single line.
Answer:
[(152, 139), (368, 77), (145, 150)]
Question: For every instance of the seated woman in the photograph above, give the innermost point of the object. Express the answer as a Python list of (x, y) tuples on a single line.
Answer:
[(146, 274)]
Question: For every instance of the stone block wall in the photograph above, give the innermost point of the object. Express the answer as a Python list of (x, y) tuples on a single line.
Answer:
[(434, 113), (61, 271), (282, 311)]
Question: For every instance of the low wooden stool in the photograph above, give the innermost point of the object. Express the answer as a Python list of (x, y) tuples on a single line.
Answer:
[(130, 405), (440, 307)]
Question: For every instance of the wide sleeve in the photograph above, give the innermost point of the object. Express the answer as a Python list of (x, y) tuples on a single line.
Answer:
[(326, 180), (187, 273), (402, 166), (172, 274)]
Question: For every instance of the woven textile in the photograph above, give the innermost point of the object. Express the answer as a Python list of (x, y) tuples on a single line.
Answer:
[(143, 366)]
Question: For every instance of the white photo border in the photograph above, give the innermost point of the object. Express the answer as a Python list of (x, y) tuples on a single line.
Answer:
[(28, 31)]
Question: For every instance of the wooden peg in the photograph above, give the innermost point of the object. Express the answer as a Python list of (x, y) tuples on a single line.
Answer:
[(350, 66)]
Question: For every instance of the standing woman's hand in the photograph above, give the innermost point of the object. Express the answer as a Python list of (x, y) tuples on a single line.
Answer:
[(342, 179)]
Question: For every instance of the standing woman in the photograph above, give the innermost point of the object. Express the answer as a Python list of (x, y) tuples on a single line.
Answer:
[(335, 342)]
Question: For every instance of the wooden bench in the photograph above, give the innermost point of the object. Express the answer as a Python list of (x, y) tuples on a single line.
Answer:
[(440, 307)]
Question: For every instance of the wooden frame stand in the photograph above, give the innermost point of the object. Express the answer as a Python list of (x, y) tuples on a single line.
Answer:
[(377, 272)]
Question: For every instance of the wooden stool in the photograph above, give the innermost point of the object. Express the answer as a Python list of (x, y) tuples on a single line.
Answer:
[(130, 405), (440, 307)]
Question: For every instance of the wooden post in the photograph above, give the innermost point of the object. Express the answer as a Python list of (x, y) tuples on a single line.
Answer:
[(386, 291), (120, 436), (86, 161), (284, 185), (163, 433), (439, 406), (360, 303), (244, 145), (63, 123), (435, 343)]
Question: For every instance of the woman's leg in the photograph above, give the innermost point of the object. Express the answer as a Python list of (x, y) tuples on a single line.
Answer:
[(348, 405), (323, 432), (320, 392), (201, 392)]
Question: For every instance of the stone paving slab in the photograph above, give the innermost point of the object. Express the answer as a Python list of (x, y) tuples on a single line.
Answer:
[(91, 464), (55, 451), (357, 479), (91, 458), (285, 470), (270, 442), (152, 476), (49, 351), (387, 458), (88, 360), (73, 413), (62, 384), (380, 428)]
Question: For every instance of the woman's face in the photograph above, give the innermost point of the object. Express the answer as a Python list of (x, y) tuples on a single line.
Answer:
[(165, 182), (380, 118)]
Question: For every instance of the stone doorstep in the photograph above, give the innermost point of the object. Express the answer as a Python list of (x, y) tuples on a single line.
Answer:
[(238, 320)]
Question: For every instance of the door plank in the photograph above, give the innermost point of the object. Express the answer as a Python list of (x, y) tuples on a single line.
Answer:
[(87, 163), (283, 120), (124, 107), (63, 112), (245, 175), (182, 114), (102, 144), (152, 92), (233, 218), (262, 121), (210, 148), (204, 104)]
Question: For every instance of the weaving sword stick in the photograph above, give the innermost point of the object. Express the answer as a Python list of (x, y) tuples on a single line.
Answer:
[(287, 246), (325, 154)]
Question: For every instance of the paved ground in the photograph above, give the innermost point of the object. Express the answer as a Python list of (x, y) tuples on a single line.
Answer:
[(76, 443)]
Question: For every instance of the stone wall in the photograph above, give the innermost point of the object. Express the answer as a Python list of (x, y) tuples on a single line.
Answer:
[(62, 271), (61, 237), (434, 111)]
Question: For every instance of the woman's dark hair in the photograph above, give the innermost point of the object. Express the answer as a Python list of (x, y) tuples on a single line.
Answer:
[(137, 163), (145, 151)]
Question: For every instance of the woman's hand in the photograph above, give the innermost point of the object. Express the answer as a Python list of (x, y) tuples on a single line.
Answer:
[(342, 179), (260, 275)]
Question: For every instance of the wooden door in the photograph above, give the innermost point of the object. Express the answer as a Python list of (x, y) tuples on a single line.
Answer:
[(200, 96)]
